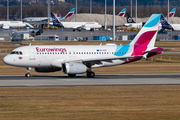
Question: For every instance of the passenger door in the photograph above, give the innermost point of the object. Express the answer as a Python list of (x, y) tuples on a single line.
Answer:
[(31, 53)]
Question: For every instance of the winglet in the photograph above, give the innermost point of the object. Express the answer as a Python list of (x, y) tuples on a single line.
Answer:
[(56, 22)]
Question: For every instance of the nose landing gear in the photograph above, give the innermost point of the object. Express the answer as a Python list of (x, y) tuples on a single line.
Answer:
[(28, 72)]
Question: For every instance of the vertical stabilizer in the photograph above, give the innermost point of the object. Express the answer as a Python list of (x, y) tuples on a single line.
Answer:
[(165, 24), (172, 13), (129, 19), (69, 14), (56, 22), (122, 13), (147, 36)]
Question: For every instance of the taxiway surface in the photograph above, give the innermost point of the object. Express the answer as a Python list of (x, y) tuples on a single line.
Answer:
[(81, 80)]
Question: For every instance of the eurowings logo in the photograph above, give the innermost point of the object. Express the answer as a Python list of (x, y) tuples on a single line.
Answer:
[(51, 49), (20, 58)]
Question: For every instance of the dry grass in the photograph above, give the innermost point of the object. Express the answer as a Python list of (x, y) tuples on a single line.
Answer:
[(90, 102), (96, 102)]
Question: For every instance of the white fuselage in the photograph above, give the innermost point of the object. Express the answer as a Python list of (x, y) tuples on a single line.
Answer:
[(134, 25), (14, 24), (83, 25), (35, 19), (54, 56), (176, 27)]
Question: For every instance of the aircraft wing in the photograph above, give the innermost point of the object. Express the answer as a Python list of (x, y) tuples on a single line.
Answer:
[(98, 60)]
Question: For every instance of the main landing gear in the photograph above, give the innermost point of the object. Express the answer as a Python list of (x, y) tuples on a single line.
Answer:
[(71, 75), (28, 72), (90, 74)]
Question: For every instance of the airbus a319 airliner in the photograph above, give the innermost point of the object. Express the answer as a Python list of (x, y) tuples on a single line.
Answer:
[(78, 59)]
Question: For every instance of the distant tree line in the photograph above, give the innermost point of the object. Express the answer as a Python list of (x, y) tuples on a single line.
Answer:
[(96, 3), (40, 10)]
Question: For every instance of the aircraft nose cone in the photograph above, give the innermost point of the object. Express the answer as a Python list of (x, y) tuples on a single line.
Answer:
[(6, 60)]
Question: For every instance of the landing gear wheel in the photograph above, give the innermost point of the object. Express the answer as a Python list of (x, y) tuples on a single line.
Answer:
[(28, 72), (27, 75), (71, 75), (90, 74)]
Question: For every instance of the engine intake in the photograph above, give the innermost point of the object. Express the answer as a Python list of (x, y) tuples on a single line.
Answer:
[(74, 68)]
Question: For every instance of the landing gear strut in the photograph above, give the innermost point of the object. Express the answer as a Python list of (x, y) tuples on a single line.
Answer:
[(28, 72)]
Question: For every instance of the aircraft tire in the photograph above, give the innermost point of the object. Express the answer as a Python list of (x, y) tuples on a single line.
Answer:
[(90, 74), (27, 75), (71, 75)]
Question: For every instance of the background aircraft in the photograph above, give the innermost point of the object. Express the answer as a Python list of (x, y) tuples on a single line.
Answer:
[(122, 13), (172, 13), (132, 24), (75, 59), (74, 25), (14, 24), (35, 19)]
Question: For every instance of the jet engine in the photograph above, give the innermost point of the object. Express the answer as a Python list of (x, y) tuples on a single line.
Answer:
[(47, 69), (5, 27), (74, 68)]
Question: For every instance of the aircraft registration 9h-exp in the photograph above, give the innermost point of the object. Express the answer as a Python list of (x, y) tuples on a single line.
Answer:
[(78, 59)]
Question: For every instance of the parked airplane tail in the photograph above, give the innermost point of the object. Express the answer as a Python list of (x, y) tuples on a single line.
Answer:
[(69, 14), (122, 13), (171, 14), (146, 38), (56, 22), (129, 19), (165, 24)]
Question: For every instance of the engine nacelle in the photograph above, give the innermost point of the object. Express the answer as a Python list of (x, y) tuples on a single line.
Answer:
[(74, 68), (47, 69), (5, 27)]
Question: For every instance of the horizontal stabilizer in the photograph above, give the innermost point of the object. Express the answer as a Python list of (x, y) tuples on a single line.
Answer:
[(158, 51)]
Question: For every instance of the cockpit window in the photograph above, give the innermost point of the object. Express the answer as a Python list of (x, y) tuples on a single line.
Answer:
[(16, 52)]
